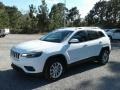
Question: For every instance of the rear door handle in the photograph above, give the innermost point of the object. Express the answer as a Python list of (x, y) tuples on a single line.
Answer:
[(85, 45), (100, 42)]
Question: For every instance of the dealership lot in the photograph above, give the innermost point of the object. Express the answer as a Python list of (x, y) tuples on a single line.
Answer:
[(89, 76)]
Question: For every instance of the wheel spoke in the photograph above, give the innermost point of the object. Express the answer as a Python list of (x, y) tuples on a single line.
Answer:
[(56, 70), (105, 57)]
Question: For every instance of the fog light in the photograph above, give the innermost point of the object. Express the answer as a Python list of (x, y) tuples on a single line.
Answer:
[(29, 68)]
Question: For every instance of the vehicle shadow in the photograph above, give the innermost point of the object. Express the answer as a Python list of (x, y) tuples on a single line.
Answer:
[(10, 80), (82, 67), (111, 82), (115, 45), (107, 82)]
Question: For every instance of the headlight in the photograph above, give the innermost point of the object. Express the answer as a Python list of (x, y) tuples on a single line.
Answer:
[(31, 55)]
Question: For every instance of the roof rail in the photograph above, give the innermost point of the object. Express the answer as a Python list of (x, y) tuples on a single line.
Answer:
[(88, 27)]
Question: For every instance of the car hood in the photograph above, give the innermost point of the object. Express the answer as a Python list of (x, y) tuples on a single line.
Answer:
[(36, 45)]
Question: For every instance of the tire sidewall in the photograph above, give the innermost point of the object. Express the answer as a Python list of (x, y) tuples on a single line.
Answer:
[(47, 69), (101, 57)]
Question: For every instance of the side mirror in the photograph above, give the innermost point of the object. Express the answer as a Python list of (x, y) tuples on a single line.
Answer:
[(73, 41)]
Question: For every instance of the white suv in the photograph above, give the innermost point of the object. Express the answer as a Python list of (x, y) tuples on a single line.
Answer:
[(54, 52), (114, 34), (4, 32)]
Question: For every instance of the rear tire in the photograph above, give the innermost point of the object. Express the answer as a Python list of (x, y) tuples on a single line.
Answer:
[(54, 69), (104, 57)]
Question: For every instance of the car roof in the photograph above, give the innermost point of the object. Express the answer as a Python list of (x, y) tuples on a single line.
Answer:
[(79, 28)]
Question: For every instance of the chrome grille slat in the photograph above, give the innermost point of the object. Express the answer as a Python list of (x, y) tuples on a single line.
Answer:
[(15, 54)]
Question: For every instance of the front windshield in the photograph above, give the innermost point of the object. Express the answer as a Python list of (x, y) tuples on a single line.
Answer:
[(56, 36)]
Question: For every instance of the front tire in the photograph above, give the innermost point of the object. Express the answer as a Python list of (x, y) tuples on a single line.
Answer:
[(104, 57), (54, 69)]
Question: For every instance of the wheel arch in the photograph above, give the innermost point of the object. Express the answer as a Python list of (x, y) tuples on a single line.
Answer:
[(60, 56), (105, 48)]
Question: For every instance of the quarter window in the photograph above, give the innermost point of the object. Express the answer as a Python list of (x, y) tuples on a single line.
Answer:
[(100, 34)]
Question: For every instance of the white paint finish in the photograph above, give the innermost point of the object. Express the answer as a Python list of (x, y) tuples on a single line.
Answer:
[(73, 52)]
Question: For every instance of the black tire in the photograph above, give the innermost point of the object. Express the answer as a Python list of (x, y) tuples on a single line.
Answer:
[(104, 57), (3, 35), (48, 68)]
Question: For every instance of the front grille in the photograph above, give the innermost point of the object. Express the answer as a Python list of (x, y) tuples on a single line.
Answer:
[(15, 54)]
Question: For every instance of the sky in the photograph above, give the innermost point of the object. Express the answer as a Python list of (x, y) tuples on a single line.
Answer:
[(84, 6)]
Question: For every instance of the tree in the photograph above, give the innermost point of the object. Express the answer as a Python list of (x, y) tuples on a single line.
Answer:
[(74, 17), (14, 16), (105, 14), (32, 18), (96, 16), (26, 24), (4, 19), (57, 15), (43, 18)]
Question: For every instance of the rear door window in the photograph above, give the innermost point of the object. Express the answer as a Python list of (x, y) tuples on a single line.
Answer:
[(92, 35)]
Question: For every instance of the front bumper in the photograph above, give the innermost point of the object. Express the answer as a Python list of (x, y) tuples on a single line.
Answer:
[(28, 65), (17, 68)]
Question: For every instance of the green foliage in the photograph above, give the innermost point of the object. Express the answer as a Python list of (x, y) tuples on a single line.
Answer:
[(38, 20), (105, 14), (13, 15), (57, 16), (43, 19), (4, 19), (74, 17), (31, 20)]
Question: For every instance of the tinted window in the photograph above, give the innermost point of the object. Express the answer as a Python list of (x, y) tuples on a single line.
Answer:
[(81, 36), (117, 31), (100, 34), (92, 35)]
